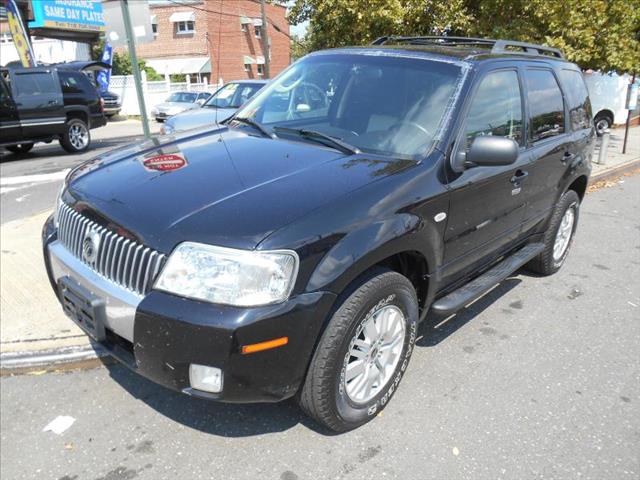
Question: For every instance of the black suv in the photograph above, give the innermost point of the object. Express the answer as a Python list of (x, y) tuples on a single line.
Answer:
[(46, 103), (293, 250)]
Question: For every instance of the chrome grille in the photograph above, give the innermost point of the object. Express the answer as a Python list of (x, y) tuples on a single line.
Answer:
[(125, 262)]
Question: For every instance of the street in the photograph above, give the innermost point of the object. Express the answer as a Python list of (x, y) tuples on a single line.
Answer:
[(31, 182), (538, 379)]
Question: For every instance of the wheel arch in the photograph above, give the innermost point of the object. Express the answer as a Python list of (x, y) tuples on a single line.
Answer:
[(79, 113), (579, 185), (605, 112), (403, 244)]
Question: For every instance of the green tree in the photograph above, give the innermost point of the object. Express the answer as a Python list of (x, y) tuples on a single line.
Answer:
[(121, 62), (598, 34)]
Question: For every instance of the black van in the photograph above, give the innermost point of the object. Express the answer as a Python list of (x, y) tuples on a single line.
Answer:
[(47, 103)]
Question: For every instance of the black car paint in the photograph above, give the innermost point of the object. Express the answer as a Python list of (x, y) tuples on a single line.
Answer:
[(46, 112), (341, 213)]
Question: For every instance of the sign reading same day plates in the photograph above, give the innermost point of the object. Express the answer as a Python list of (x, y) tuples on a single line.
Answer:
[(78, 15)]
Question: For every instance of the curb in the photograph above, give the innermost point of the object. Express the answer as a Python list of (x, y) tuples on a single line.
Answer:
[(615, 172), (66, 358), (94, 355)]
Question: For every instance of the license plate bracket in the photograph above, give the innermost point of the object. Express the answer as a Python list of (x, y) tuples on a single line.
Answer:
[(83, 307)]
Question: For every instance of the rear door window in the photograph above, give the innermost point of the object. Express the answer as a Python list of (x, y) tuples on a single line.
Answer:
[(578, 99), (40, 83), (546, 105), (496, 109)]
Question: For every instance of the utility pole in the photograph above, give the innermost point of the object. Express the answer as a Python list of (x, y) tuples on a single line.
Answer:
[(131, 44), (630, 103), (265, 40)]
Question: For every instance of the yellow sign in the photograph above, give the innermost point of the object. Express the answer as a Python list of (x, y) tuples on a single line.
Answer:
[(18, 33)]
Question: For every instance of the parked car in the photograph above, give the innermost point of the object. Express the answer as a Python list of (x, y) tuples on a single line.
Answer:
[(112, 105), (222, 104), (178, 102), (293, 251), (43, 104), (110, 100)]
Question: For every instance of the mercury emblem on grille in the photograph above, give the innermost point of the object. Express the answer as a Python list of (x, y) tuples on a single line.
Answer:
[(90, 246)]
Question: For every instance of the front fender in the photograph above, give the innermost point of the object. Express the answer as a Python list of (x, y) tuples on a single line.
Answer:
[(360, 249)]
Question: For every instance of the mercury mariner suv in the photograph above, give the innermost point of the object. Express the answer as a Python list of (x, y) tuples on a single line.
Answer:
[(293, 250)]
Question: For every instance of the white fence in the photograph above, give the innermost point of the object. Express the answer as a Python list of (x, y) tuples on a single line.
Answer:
[(154, 92)]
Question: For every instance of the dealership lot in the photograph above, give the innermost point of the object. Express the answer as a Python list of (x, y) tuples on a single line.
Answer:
[(538, 379)]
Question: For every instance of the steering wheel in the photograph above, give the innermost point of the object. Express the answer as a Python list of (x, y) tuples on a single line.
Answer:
[(302, 86)]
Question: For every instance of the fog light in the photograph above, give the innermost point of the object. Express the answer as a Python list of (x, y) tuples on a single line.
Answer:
[(208, 379)]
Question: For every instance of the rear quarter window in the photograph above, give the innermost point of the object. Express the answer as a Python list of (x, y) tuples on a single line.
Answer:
[(546, 105), (578, 98)]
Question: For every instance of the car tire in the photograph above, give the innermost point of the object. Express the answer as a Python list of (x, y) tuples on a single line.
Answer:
[(328, 395), (602, 123), (76, 137), (559, 235), (20, 148)]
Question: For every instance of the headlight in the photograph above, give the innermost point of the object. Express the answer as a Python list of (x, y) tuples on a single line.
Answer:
[(166, 129), (58, 202), (154, 111), (228, 276)]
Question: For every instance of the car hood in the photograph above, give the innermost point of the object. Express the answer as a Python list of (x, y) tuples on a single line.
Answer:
[(199, 117), (233, 188)]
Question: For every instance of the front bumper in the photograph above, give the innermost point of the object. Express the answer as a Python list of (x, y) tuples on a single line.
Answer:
[(159, 335)]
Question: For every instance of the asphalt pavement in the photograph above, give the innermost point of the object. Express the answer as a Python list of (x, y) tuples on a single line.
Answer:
[(30, 182), (539, 379)]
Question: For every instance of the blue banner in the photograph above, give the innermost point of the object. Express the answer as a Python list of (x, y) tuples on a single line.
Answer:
[(78, 15), (104, 76)]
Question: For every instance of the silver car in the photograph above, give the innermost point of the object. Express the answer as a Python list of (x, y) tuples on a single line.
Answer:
[(219, 107), (178, 102)]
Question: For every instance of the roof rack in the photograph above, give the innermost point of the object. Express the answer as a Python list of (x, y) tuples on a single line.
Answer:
[(497, 46)]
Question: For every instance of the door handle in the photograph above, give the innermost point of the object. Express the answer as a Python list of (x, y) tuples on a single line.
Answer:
[(53, 102), (519, 176), (568, 156)]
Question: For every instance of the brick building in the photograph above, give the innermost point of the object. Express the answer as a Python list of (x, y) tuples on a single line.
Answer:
[(215, 39)]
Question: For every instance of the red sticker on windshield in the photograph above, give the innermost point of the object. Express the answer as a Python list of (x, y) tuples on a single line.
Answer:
[(164, 163)]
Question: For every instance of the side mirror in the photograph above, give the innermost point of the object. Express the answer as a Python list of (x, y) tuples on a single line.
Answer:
[(201, 101), (488, 151)]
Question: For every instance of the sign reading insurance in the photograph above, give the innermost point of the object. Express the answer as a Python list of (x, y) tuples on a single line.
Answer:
[(78, 15)]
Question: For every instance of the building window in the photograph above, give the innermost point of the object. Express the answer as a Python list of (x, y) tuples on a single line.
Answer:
[(243, 27), (154, 29), (258, 30), (261, 70), (184, 28), (247, 68), (5, 38)]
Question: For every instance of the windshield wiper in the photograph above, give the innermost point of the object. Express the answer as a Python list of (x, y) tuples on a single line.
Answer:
[(323, 138), (252, 123)]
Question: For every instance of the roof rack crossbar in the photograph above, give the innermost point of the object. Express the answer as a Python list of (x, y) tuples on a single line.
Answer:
[(497, 46)]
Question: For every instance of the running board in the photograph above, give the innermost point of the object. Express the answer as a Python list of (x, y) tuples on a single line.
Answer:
[(485, 282)]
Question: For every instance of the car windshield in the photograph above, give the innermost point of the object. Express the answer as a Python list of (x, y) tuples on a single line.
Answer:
[(233, 95), (390, 105), (183, 97)]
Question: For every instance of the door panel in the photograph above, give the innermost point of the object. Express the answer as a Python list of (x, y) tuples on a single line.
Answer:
[(9, 122), (551, 147), (487, 204), (38, 98)]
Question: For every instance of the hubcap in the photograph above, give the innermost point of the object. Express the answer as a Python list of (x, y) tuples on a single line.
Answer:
[(602, 125), (374, 354), (78, 136), (564, 234)]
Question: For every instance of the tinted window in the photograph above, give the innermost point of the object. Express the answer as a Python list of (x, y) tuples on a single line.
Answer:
[(545, 104), (69, 83), (381, 104), (35, 84), (578, 98), (496, 108), (182, 97)]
